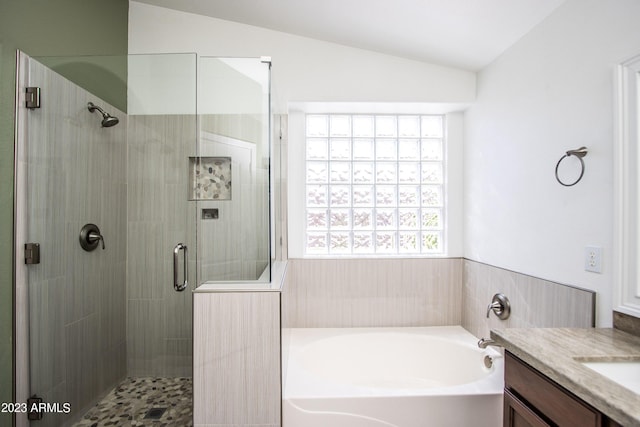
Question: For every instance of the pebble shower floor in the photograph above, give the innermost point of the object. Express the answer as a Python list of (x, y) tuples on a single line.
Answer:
[(144, 402)]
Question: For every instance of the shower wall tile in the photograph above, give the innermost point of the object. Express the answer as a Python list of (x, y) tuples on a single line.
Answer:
[(178, 355), (76, 174), (535, 303), (145, 201), (179, 311), (113, 220), (173, 210), (372, 292), (246, 127), (46, 299), (111, 366), (83, 285), (146, 328), (112, 310), (228, 245), (82, 362), (145, 273), (220, 271), (236, 371), (58, 394)]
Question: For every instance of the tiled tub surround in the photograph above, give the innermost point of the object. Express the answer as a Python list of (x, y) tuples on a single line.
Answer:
[(535, 303), (372, 292), (558, 352), (424, 292)]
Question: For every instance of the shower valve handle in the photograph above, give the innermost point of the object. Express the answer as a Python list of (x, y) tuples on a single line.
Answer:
[(90, 237), (95, 237)]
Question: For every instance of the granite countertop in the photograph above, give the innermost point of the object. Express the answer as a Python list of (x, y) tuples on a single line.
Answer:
[(558, 353)]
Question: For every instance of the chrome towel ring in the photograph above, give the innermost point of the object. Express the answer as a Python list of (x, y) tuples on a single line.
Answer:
[(579, 153)]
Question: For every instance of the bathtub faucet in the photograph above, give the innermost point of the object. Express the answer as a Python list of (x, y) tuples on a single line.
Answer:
[(485, 342)]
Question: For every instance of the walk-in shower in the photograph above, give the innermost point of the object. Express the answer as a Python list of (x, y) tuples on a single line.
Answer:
[(107, 119), (187, 164)]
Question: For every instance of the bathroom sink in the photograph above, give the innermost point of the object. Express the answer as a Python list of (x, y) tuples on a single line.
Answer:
[(624, 372)]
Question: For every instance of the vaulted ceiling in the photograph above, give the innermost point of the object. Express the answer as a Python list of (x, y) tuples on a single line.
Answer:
[(467, 34)]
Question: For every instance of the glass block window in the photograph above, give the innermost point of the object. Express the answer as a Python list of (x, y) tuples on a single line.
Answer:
[(374, 184)]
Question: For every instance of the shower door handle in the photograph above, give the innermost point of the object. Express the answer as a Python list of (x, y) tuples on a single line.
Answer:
[(177, 285)]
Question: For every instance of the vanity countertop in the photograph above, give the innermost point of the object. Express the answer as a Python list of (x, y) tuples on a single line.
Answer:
[(558, 353)]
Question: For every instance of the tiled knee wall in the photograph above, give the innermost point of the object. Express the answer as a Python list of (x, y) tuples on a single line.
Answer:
[(424, 292)]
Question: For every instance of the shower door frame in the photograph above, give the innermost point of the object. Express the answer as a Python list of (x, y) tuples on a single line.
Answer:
[(21, 294)]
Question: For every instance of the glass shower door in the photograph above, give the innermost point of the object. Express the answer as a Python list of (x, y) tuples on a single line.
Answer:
[(106, 206), (162, 136), (74, 194), (231, 176)]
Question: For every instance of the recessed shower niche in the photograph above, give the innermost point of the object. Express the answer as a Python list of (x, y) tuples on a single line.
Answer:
[(210, 178)]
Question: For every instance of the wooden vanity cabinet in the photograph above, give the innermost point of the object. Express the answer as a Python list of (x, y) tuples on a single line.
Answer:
[(533, 400)]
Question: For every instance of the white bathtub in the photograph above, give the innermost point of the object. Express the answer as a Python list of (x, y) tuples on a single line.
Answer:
[(404, 377)]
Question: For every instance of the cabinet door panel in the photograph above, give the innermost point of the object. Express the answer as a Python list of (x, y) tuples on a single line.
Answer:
[(517, 414), (557, 404)]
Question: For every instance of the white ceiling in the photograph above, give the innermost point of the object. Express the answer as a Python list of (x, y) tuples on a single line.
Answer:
[(468, 34)]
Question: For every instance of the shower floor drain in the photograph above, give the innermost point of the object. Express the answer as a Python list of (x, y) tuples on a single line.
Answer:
[(154, 413)]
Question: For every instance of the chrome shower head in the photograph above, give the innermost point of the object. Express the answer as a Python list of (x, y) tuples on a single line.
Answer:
[(107, 119)]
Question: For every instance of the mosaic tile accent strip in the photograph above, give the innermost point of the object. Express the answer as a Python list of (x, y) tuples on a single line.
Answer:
[(131, 401), (210, 178)]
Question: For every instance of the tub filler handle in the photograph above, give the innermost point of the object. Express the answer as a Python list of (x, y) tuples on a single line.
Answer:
[(179, 287), (501, 306)]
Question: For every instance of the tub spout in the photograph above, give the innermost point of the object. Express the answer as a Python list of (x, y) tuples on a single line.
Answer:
[(485, 342)]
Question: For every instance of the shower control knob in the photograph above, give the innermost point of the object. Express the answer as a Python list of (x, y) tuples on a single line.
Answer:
[(90, 237)]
